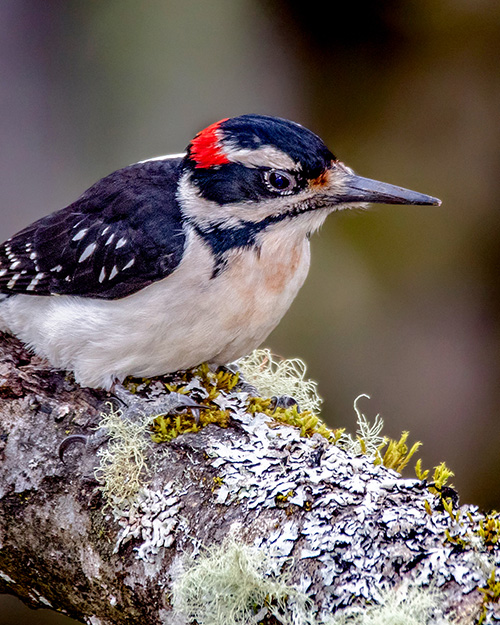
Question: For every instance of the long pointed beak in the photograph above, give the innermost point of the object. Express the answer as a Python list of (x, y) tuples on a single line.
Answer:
[(359, 189)]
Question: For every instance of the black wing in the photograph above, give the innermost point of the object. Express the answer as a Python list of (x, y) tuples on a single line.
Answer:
[(122, 234)]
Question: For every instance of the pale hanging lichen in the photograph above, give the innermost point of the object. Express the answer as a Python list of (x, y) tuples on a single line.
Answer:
[(238, 584), (122, 464), (368, 439), (407, 605), (273, 376)]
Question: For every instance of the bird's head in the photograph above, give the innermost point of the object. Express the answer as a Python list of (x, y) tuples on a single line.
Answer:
[(253, 171)]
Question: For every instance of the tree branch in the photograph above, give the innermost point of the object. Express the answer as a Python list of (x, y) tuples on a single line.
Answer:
[(326, 532)]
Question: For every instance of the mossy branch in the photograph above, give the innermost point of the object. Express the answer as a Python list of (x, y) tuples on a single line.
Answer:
[(253, 514)]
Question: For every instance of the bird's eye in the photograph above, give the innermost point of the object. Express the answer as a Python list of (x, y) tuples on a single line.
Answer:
[(280, 181)]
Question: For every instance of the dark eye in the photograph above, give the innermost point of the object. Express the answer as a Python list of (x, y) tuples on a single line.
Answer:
[(280, 181)]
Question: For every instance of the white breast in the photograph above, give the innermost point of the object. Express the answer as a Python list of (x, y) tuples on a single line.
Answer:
[(176, 323)]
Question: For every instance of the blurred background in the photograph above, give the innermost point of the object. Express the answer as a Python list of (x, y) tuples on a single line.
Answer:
[(402, 303)]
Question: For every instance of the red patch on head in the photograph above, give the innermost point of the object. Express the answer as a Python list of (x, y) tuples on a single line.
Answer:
[(206, 149)]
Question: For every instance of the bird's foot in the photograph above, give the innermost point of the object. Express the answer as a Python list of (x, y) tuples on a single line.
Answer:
[(133, 405), (243, 385), (173, 403), (284, 401)]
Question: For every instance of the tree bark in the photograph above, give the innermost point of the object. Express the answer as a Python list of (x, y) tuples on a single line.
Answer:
[(353, 529)]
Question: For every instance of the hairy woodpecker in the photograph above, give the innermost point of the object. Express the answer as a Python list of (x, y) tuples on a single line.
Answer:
[(180, 259)]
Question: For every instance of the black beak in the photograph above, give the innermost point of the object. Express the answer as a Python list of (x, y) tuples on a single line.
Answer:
[(358, 189)]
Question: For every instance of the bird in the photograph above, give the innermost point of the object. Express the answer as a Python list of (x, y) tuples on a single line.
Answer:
[(180, 259)]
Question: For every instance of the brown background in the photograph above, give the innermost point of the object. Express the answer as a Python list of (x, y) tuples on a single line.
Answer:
[(402, 303)]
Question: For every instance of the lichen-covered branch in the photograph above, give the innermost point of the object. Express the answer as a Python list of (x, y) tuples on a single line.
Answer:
[(236, 519)]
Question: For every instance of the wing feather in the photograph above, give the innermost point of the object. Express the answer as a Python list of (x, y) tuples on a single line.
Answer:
[(122, 234)]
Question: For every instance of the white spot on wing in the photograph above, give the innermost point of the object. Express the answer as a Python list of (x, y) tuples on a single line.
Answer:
[(114, 272), (3, 272), (121, 242), (80, 234), (15, 264), (129, 264), (32, 255), (88, 251), (110, 238), (11, 283), (57, 268), (31, 286), (102, 275)]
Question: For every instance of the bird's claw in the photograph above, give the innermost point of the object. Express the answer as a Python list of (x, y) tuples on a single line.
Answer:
[(284, 401), (173, 402), (68, 441), (195, 407), (90, 441)]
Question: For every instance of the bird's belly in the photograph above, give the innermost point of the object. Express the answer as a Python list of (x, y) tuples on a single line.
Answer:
[(219, 319), (187, 318), (256, 291)]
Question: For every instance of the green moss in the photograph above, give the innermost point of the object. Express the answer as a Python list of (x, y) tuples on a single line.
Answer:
[(439, 483), (166, 427), (218, 481), (282, 499), (489, 529), (491, 594), (213, 381), (262, 367), (308, 423), (397, 455), (485, 536)]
